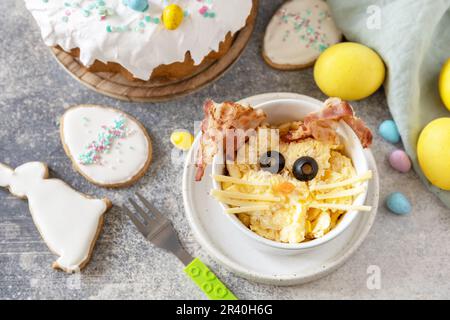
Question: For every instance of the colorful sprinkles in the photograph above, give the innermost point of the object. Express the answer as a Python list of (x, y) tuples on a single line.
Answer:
[(97, 7), (100, 9), (303, 29), (139, 27), (205, 10), (104, 142)]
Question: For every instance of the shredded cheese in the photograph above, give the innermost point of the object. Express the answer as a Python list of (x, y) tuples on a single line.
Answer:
[(363, 177), (247, 209), (244, 196), (340, 194), (239, 203), (220, 178), (335, 206), (281, 208)]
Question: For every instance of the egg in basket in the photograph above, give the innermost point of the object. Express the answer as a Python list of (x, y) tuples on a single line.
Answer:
[(291, 182)]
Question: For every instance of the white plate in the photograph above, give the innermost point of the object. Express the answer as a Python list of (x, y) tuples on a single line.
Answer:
[(223, 241)]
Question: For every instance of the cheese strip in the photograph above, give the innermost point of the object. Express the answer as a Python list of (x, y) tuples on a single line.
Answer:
[(340, 194), (239, 203), (244, 196), (363, 177), (247, 209), (220, 178), (343, 207)]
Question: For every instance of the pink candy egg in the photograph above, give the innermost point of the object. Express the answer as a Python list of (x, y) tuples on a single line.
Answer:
[(400, 161)]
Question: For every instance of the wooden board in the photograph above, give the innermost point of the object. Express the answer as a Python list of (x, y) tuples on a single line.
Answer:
[(116, 86)]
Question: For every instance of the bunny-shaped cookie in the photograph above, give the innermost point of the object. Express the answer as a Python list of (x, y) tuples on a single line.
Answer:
[(68, 221)]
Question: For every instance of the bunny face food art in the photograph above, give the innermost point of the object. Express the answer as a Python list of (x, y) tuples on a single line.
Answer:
[(288, 183), (106, 146), (68, 221)]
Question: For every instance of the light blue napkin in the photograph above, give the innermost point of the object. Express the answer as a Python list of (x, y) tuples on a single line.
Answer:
[(413, 38)]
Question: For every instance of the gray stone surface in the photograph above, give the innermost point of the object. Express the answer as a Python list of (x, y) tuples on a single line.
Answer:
[(412, 252)]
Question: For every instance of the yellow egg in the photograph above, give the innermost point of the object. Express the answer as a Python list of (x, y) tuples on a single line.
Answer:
[(444, 84), (349, 71), (433, 152), (172, 16), (182, 140)]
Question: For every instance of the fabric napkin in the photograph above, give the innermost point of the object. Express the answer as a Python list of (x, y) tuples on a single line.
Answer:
[(413, 38)]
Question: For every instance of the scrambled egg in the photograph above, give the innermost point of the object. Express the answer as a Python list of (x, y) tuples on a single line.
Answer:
[(287, 215)]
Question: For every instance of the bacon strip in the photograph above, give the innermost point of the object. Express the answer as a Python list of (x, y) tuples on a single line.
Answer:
[(222, 121), (231, 122), (322, 125)]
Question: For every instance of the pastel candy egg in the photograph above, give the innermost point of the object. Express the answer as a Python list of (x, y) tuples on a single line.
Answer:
[(182, 140), (444, 84), (398, 203), (137, 5), (433, 152), (349, 71), (172, 16), (388, 131), (400, 161)]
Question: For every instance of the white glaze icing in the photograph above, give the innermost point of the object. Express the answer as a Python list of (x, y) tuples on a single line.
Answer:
[(126, 157), (143, 47), (67, 220), (299, 32)]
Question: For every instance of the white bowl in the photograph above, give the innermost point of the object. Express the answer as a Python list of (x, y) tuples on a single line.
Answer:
[(285, 110)]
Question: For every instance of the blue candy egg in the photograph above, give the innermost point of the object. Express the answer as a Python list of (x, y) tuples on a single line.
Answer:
[(398, 203), (388, 130), (137, 5)]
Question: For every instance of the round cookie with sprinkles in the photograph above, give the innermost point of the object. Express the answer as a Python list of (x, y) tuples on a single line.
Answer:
[(108, 147), (298, 33), (142, 39)]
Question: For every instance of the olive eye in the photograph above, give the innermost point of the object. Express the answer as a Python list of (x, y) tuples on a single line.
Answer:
[(305, 168), (272, 161)]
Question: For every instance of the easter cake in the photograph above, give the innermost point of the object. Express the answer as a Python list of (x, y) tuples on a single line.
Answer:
[(142, 39), (290, 182)]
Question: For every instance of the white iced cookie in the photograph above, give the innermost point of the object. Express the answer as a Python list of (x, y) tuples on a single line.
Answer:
[(107, 146), (298, 33), (68, 221)]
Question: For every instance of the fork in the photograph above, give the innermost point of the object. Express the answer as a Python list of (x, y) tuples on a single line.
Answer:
[(159, 230)]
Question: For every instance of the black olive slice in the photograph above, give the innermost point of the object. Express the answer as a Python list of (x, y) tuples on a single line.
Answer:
[(305, 168), (272, 161)]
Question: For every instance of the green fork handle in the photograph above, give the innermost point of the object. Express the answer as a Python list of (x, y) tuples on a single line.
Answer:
[(207, 281)]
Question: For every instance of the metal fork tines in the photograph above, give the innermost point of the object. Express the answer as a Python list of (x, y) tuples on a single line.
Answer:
[(156, 228)]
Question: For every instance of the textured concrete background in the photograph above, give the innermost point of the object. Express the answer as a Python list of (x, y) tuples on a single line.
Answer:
[(412, 252)]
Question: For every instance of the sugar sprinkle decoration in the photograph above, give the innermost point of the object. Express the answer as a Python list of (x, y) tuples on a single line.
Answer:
[(302, 27), (205, 10), (104, 142), (140, 26), (98, 6), (100, 9)]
